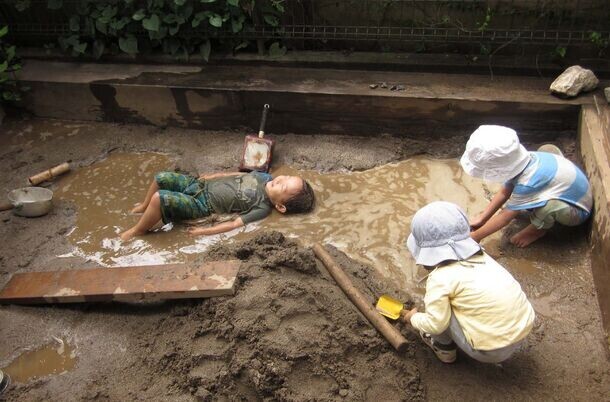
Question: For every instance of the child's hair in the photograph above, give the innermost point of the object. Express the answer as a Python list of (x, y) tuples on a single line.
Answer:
[(303, 201)]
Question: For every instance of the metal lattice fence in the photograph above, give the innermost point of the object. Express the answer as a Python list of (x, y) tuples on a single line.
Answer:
[(385, 25)]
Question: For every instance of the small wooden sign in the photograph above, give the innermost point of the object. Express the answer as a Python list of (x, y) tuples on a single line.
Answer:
[(149, 282)]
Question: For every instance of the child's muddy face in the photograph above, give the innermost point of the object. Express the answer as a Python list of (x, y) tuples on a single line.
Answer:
[(283, 188)]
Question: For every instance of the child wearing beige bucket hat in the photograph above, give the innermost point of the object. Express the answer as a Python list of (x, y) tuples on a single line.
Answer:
[(471, 301), (547, 186)]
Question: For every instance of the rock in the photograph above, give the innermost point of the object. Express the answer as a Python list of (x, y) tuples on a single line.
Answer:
[(573, 81), (607, 93), (344, 392), (373, 86), (383, 85)]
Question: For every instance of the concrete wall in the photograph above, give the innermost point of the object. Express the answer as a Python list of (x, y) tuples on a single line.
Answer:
[(594, 139)]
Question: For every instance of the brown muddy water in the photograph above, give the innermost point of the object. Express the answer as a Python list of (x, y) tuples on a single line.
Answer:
[(365, 214), (54, 358)]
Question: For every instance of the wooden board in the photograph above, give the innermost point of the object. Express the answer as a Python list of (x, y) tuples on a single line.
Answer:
[(151, 282)]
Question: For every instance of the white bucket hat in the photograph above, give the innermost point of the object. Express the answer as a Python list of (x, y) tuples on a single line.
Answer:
[(494, 153), (440, 232)]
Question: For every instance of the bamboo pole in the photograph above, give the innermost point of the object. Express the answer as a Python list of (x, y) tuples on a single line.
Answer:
[(49, 174), (392, 335)]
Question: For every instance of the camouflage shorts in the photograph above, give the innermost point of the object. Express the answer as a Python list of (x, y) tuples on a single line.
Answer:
[(557, 211), (182, 197)]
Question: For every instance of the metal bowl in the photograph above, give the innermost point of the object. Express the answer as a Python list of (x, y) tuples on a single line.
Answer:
[(31, 201)]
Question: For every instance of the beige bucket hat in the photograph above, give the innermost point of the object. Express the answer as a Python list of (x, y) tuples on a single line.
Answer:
[(494, 153)]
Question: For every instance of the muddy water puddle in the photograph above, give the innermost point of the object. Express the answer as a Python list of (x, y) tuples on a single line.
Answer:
[(365, 214), (54, 358), (104, 193)]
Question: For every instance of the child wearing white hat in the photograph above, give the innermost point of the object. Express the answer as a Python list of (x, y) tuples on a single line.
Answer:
[(471, 301), (547, 186)]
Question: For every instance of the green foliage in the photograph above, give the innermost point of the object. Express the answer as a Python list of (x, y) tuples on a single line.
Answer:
[(482, 26), (559, 52), (176, 27), (601, 43), (10, 89)]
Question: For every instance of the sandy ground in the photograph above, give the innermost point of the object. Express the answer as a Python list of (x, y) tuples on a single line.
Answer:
[(289, 333)]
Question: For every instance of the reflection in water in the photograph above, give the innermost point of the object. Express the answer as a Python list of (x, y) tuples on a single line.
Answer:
[(54, 358), (365, 214)]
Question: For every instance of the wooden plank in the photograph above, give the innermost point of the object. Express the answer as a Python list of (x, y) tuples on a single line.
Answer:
[(151, 282)]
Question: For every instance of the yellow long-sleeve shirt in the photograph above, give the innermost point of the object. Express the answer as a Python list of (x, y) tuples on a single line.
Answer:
[(487, 301)]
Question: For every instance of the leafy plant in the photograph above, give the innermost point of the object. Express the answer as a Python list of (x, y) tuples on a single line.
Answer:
[(601, 43), (10, 89), (559, 52), (179, 28), (482, 26)]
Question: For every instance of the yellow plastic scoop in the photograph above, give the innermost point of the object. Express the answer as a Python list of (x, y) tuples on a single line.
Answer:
[(389, 307)]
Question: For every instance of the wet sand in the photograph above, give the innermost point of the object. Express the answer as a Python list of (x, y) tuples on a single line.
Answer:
[(287, 331)]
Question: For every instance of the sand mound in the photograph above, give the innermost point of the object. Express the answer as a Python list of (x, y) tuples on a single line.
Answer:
[(289, 333)]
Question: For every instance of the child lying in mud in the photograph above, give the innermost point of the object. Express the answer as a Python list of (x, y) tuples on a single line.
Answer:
[(174, 197), (547, 186), (472, 302)]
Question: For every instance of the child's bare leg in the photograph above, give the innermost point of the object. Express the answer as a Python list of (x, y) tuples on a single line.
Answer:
[(141, 207), (527, 236), (151, 216)]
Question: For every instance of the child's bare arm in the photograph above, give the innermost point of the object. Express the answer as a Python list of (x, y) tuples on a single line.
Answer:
[(494, 224), (208, 176), (496, 203), (220, 228)]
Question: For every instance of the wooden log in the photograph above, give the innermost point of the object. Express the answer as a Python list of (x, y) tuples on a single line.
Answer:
[(392, 335), (151, 282)]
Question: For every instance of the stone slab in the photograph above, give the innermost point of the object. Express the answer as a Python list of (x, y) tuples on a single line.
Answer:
[(151, 282)]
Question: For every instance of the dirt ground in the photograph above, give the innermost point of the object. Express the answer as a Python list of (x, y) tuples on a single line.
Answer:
[(289, 333)]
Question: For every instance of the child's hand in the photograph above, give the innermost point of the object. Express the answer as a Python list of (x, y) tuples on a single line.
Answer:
[(406, 315), (477, 222), (196, 231)]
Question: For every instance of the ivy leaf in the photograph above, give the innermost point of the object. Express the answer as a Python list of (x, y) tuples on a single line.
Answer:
[(54, 4), (204, 49), (152, 23), (3, 66), (277, 4), (129, 44), (3, 31), (139, 15), (10, 53), (271, 20), (215, 20), (207, 1), (200, 16), (242, 45), (74, 23), (101, 26), (277, 50), (234, 3), (80, 48), (173, 30), (237, 24), (98, 49), (179, 2)]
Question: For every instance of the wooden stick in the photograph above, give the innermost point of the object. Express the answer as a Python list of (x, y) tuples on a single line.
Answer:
[(49, 174), (387, 330)]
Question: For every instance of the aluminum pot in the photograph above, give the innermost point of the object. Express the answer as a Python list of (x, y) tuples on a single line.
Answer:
[(31, 201)]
